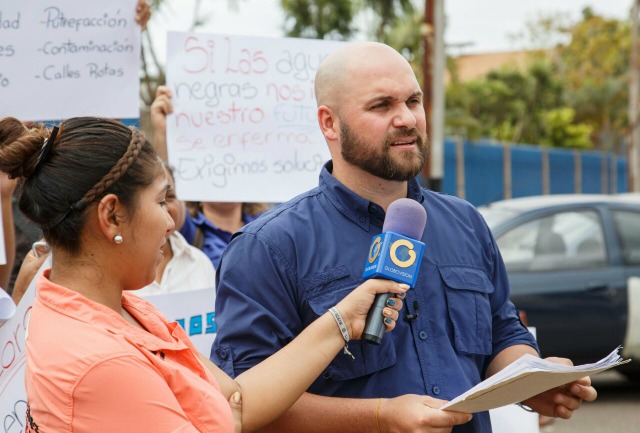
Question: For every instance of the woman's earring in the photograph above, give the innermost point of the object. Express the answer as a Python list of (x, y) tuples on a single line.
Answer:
[(117, 239)]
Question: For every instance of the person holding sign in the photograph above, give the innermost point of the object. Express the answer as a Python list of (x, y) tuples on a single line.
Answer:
[(99, 358), (208, 226), (286, 268)]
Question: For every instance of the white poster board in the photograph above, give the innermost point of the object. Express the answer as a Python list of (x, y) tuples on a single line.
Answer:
[(244, 126), (194, 310), (13, 396), (65, 58), (3, 253)]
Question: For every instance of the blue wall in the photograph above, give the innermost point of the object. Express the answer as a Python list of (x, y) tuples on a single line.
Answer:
[(484, 175)]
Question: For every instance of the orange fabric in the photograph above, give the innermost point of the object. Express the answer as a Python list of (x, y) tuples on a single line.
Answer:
[(89, 370)]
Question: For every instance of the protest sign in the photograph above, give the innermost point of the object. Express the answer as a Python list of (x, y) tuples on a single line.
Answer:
[(3, 254), (244, 124), (65, 58), (194, 311), (13, 396)]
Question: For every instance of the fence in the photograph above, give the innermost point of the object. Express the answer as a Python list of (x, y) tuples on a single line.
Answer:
[(482, 172)]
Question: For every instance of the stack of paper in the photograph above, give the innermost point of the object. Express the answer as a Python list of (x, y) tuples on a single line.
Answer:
[(524, 378)]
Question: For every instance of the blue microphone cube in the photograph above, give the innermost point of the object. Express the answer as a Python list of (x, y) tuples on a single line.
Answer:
[(394, 257)]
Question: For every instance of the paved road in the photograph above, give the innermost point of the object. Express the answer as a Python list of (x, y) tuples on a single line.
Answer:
[(617, 409)]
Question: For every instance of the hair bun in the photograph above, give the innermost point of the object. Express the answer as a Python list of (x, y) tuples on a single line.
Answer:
[(20, 147)]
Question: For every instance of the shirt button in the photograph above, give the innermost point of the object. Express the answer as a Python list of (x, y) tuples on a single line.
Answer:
[(223, 354), (436, 390), (422, 335), (362, 219)]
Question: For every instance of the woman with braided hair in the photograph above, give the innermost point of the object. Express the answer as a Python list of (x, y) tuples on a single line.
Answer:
[(100, 359)]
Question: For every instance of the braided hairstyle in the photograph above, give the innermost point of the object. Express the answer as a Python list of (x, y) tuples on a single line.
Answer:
[(88, 158)]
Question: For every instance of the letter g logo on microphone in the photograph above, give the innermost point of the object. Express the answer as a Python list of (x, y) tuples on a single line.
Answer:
[(374, 251), (393, 253)]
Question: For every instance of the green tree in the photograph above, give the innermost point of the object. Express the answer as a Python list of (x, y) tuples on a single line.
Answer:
[(334, 19), (389, 13), (513, 106), (594, 65), (318, 19), (562, 131)]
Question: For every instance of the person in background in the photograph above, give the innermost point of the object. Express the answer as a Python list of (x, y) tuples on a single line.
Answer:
[(287, 267), (208, 226), (99, 358)]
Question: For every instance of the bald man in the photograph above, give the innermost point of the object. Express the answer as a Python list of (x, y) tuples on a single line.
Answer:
[(289, 266)]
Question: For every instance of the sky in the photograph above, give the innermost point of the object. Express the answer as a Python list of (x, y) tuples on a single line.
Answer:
[(485, 25)]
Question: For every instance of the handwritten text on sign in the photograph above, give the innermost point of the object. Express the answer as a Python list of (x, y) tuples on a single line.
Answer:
[(13, 399), (64, 58), (244, 125)]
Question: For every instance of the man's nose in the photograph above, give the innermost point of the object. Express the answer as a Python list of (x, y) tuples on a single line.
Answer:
[(404, 117)]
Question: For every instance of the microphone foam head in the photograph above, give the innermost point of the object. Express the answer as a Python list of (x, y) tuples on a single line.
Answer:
[(406, 217)]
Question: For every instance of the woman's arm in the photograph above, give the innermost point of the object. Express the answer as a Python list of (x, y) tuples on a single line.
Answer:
[(271, 387)]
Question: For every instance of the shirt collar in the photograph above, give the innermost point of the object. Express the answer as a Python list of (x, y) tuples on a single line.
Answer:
[(358, 209), (160, 334)]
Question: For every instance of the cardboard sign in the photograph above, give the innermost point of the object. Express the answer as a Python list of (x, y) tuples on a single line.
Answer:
[(244, 126), (65, 58)]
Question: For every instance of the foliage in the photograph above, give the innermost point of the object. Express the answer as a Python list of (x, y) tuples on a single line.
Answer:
[(389, 13), (595, 66), (561, 131), (572, 96), (334, 19), (318, 19)]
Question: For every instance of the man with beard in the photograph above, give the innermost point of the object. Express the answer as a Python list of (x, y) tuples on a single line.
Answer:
[(289, 266)]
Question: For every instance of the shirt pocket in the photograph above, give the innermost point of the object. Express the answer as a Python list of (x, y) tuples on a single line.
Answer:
[(333, 286), (467, 290)]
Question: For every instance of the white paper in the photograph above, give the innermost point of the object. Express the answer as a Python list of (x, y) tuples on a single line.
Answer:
[(65, 58), (244, 126), (524, 378), (3, 254), (13, 396), (194, 310), (7, 307)]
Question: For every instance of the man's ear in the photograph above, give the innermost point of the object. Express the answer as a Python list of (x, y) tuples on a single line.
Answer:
[(329, 123), (110, 215)]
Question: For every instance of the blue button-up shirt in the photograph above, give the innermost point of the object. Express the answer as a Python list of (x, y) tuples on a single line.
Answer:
[(215, 239), (289, 266)]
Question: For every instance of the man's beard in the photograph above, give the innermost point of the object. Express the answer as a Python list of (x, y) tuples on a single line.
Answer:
[(379, 162)]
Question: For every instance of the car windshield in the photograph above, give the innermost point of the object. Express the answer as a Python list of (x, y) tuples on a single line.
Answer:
[(494, 216)]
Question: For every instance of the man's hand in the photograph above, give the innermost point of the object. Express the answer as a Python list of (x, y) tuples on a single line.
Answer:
[(562, 401), (416, 413)]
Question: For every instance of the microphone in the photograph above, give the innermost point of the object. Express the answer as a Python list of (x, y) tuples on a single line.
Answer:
[(395, 255), (408, 317)]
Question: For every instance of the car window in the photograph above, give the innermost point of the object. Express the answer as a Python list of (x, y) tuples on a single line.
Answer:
[(628, 228), (564, 240)]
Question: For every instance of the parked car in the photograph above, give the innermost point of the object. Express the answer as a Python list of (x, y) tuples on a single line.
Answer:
[(569, 258)]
